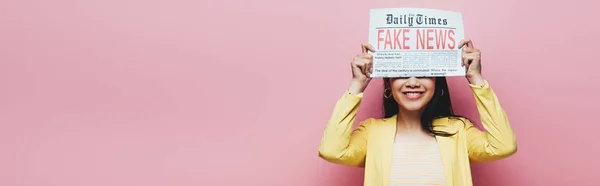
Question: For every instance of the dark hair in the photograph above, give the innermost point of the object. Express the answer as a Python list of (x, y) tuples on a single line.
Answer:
[(439, 106)]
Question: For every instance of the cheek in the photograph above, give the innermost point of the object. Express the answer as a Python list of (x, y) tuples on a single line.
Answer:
[(397, 84), (430, 94), (429, 84)]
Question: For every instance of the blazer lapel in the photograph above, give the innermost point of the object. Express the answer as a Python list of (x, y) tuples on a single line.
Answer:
[(388, 133), (447, 146)]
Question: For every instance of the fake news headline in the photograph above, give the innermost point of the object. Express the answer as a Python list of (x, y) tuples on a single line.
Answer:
[(423, 38)]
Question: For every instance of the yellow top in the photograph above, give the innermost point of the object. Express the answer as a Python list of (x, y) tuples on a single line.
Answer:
[(341, 144)]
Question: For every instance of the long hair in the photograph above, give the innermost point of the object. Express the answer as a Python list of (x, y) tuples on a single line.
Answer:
[(439, 106)]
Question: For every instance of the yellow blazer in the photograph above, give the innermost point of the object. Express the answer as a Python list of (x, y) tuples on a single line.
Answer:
[(370, 144)]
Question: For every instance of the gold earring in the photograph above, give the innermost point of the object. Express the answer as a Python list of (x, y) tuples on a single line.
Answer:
[(385, 93)]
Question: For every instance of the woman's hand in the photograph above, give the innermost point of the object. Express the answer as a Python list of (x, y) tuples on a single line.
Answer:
[(472, 60), (362, 66)]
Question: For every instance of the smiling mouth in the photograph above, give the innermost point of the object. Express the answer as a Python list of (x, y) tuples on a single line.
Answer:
[(413, 94)]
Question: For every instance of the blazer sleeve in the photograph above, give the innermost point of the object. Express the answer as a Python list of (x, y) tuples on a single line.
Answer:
[(498, 141), (340, 143)]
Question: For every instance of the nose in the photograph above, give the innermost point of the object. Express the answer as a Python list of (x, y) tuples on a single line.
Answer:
[(413, 82)]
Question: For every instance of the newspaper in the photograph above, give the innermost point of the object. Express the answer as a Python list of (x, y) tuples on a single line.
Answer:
[(416, 42)]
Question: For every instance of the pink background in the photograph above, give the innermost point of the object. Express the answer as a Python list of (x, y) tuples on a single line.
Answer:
[(218, 92)]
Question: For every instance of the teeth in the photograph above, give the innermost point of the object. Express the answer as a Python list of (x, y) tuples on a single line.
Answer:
[(412, 94)]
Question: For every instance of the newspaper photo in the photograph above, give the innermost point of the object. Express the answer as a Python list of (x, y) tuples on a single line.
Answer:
[(416, 42)]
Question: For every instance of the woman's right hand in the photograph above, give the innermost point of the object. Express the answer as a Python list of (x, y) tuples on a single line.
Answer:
[(362, 66)]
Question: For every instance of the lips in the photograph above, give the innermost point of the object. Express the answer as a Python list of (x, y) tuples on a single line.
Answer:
[(413, 94)]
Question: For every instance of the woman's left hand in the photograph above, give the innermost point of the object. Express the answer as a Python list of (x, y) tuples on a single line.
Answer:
[(472, 60)]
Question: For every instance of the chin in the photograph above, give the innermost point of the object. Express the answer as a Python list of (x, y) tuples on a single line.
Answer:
[(413, 107)]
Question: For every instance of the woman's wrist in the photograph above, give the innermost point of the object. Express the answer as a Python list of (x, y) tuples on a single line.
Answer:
[(476, 80), (358, 86)]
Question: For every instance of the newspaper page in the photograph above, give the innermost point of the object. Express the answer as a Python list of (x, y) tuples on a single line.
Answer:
[(416, 42)]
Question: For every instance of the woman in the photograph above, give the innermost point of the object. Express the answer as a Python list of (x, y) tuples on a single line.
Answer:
[(420, 141)]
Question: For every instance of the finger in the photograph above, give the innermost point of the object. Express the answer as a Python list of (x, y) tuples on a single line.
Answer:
[(355, 60), (366, 69), (362, 65), (472, 55), (469, 50), (476, 60), (467, 42), (370, 68), (366, 48), (363, 48), (365, 57), (470, 58), (468, 55), (468, 62), (363, 68), (371, 48), (369, 65)]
